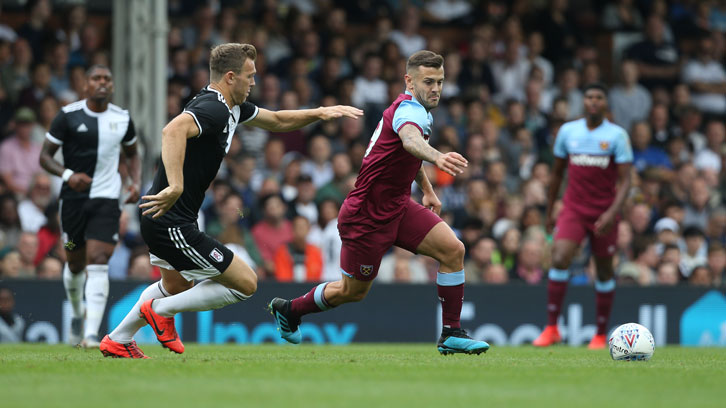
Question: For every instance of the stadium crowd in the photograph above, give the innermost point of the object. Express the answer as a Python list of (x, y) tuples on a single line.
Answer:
[(514, 74)]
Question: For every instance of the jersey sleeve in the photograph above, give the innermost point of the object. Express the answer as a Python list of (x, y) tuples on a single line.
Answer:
[(58, 129), (560, 148), (248, 111), (623, 150), (130, 136), (210, 115), (409, 112)]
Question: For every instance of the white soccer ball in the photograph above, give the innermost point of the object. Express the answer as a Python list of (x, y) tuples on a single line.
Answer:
[(630, 342)]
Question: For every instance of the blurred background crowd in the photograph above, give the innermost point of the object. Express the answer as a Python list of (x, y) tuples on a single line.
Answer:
[(514, 74)]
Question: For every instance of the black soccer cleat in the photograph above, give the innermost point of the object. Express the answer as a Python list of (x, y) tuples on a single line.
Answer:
[(288, 326), (455, 340)]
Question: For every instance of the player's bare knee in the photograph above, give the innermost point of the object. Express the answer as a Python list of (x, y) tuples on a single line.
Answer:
[(177, 286), (452, 255), (249, 284), (76, 266), (560, 260)]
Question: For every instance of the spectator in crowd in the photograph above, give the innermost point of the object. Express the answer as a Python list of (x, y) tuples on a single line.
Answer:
[(36, 30), (697, 210), (32, 209), (694, 250), (402, 266), (49, 268), (27, 248), (39, 87), (12, 325), (407, 37), (9, 221), (641, 270), (273, 230), (298, 261), (10, 263), (707, 79), (701, 276), (646, 155), (666, 230), (667, 274), (622, 15), (496, 274), (710, 157), (140, 267), (318, 167), (717, 262), (480, 257), (529, 262), (657, 58), (19, 154), (337, 188), (17, 75), (272, 166), (304, 203), (629, 101)]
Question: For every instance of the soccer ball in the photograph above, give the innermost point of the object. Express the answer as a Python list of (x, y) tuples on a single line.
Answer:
[(630, 342)]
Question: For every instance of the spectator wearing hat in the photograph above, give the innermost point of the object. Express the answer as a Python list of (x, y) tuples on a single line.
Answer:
[(19, 154), (666, 231)]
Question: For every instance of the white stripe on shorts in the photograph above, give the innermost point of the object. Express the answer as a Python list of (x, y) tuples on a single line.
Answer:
[(174, 234), (194, 250)]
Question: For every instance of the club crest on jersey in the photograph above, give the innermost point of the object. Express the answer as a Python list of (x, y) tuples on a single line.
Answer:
[(366, 270), (604, 145), (216, 255)]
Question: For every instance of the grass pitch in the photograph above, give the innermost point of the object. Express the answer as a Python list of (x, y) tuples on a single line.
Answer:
[(374, 375)]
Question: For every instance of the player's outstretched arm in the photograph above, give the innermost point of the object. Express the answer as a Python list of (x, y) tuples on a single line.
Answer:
[(287, 120), (452, 163), (173, 147)]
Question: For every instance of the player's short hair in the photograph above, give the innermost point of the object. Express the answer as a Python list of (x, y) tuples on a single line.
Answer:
[(94, 67), (229, 57), (424, 58), (596, 85)]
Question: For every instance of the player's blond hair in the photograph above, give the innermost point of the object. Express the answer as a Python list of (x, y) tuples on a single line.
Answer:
[(424, 58), (229, 57)]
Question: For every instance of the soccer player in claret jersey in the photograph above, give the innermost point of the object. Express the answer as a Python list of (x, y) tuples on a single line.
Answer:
[(379, 213), (193, 145), (598, 156)]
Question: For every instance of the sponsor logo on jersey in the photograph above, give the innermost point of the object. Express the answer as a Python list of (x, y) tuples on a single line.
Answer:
[(216, 255), (82, 128), (604, 145), (588, 160), (366, 270)]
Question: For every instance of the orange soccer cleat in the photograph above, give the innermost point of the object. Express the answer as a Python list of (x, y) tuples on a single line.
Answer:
[(599, 341), (114, 349), (550, 335), (163, 328)]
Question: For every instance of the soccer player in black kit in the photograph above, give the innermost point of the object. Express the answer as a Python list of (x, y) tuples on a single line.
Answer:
[(192, 148), (91, 134)]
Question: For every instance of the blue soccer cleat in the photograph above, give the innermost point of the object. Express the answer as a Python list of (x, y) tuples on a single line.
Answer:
[(457, 341), (286, 324)]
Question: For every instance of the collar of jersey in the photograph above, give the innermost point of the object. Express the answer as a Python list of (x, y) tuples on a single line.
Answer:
[(413, 99), (219, 96), (88, 110)]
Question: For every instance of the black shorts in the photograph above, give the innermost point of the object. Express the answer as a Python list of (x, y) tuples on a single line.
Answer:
[(89, 218), (184, 248)]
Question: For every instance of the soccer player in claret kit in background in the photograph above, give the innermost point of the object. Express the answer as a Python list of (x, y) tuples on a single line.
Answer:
[(192, 148), (598, 157), (91, 133), (379, 213)]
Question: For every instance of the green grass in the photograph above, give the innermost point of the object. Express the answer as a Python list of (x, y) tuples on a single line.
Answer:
[(359, 376)]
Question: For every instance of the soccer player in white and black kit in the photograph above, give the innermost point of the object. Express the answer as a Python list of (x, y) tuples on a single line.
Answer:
[(91, 134), (192, 148)]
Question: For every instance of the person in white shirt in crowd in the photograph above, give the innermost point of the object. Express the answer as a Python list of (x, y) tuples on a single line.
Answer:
[(707, 79)]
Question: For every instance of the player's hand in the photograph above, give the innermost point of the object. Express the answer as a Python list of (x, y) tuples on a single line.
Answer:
[(133, 191), (338, 111), (79, 182), (452, 163), (431, 202), (158, 204), (604, 223)]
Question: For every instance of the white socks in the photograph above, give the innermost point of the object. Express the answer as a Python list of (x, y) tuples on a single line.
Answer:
[(74, 289), (206, 295), (96, 296), (125, 331)]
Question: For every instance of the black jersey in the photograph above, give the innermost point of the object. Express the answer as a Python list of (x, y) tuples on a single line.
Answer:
[(204, 152), (91, 143)]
